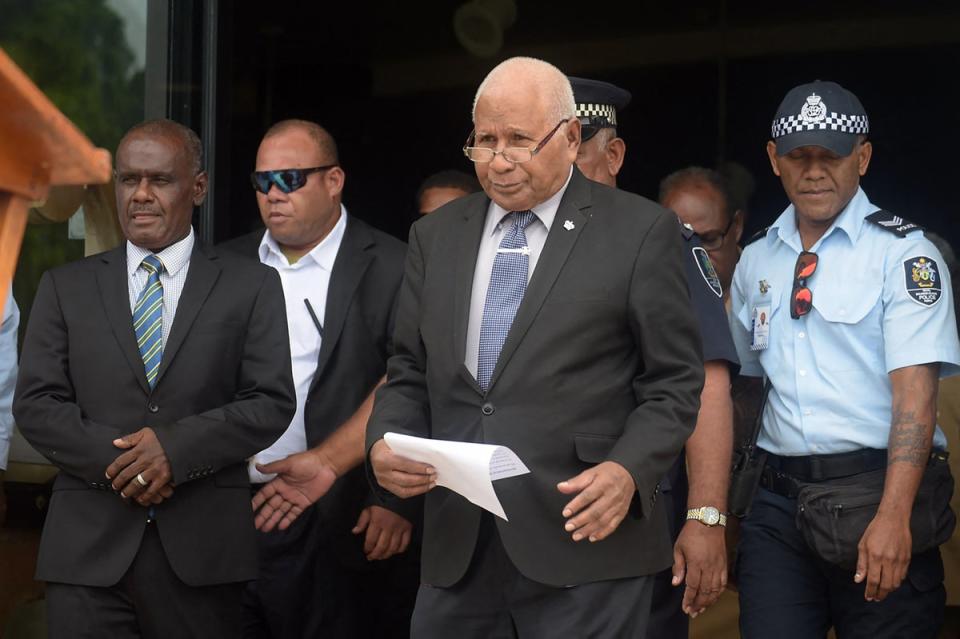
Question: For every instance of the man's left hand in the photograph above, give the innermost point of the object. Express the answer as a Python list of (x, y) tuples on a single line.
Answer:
[(605, 492), (884, 555), (700, 559), (388, 533), (145, 458)]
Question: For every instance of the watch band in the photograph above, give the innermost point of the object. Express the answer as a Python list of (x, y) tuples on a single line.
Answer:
[(708, 516)]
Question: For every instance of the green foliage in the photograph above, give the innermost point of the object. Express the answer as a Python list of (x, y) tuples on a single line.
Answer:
[(76, 52)]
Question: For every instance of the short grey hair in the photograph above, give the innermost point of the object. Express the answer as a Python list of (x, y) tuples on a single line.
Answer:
[(549, 78), (188, 138)]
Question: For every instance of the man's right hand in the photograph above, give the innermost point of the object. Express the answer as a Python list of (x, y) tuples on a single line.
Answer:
[(302, 479), (401, 476)]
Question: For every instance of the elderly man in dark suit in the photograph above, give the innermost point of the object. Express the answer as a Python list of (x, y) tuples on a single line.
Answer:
[(321, 575), (150, 373), (549, 314)]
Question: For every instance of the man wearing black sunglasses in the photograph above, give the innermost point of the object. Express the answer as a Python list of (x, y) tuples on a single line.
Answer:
[(846, 310), (340, 279)]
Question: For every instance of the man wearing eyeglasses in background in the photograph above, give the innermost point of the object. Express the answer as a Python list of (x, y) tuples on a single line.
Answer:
[(340, 280), (859, 326), (694, 507), (548, 314), (704, 200)]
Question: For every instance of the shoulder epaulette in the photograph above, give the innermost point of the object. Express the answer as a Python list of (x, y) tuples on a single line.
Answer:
[(685, 229), (893, 223), (756, 236)]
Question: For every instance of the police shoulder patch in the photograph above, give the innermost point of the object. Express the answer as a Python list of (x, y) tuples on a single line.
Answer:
[(892, 223), (756, 236), (707, 271), (922, 280)]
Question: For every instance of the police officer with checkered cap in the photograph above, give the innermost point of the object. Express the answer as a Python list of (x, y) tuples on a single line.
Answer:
[(601, 151), (845, 309), (696, 507)]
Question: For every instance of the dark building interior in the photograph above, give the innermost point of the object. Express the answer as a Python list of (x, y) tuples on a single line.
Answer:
[(394, 85)]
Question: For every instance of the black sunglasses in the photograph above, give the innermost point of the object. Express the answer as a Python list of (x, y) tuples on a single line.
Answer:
[(287, 180)]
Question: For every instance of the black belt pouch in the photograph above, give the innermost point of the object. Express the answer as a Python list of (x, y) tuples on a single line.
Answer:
[(832, 515)]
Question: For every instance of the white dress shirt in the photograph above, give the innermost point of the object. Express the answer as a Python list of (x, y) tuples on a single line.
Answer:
[(306, 279), (493, 231), (176, 262)]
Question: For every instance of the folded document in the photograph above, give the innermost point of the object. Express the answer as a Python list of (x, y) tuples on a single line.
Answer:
[(465, 468)]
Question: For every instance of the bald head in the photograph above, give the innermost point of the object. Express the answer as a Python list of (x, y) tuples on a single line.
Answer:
[(320, 136), (530, 75)]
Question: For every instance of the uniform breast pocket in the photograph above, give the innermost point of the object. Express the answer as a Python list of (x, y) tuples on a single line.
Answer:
[(851, 336)]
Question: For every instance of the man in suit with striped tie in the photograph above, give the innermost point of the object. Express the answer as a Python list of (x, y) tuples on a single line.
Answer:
[(150, 373)]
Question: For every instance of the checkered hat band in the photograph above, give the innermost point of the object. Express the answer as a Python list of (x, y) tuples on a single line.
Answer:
[(604, 110), (834, 122)]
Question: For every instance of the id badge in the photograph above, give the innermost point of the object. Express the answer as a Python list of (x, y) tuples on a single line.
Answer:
[(761, 328)]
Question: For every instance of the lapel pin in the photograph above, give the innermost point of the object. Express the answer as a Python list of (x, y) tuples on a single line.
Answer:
[(568, 225), (764, 287)]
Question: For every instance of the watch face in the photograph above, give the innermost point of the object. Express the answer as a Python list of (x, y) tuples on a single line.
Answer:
[(711, 516)]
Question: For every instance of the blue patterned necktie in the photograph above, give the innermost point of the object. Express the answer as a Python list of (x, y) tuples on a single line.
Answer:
[(148, 319), (508, 282)]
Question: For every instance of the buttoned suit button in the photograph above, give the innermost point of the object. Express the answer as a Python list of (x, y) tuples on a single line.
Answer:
[(487, 409), (153, 408)]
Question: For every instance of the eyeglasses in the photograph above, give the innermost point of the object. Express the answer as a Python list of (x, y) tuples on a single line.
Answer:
[(287, 180), (713, 241), (801, 300), (512, 154)]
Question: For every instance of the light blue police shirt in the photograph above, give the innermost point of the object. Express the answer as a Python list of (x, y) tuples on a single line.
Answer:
[(8, 374), (830, 389)]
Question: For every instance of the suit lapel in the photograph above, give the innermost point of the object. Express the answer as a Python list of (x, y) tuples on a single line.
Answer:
[(115, 294), (467, 249), (351, 263), (201, 277), (574, 208)]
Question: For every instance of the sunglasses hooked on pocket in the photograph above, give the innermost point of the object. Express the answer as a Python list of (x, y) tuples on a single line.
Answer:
[(801, 299), (287, 180)]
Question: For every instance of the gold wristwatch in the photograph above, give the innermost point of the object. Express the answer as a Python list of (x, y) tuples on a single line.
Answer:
[(708, 516)]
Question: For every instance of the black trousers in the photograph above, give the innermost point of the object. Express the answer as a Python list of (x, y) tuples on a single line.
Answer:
[(494, 601), (314, 583), (150, 602), (667, 619), (787, 592)]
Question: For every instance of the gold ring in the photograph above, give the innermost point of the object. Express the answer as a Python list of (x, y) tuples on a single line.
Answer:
[(140, 480)]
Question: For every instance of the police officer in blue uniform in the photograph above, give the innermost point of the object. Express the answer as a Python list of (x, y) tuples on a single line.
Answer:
[(696, 506), (846, 310)]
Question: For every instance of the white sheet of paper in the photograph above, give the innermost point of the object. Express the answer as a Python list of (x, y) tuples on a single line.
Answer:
[(465, 468)]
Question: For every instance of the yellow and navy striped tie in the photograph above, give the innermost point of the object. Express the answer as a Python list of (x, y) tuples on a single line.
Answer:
[(148, 319)]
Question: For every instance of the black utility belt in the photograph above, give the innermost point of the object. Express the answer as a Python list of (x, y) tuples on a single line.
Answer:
[(787, 475), (838, 496)]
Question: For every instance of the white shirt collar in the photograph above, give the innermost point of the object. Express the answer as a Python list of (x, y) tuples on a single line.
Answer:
[(545, 211), (323, 254), (173, 258)]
